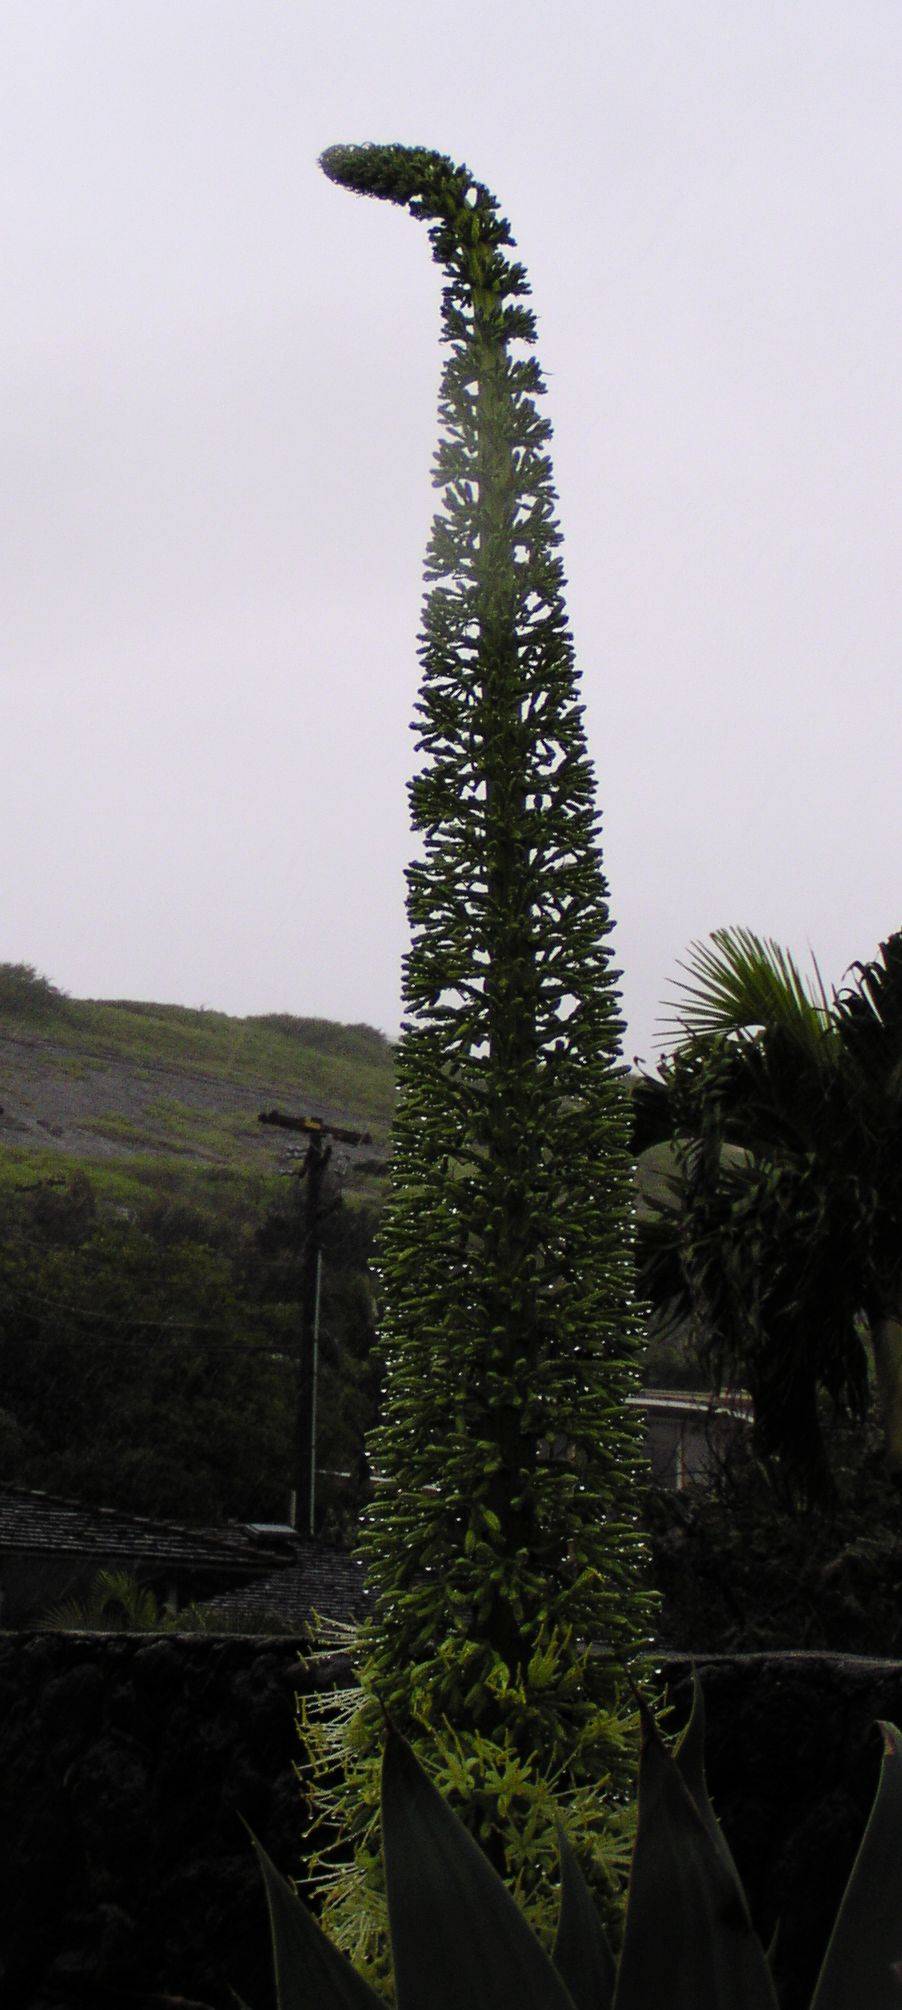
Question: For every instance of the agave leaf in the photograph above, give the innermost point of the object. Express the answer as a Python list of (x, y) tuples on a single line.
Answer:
[(688, 1942), (581, 1953), (689, 1757), (310, 1972), (458, 1937), (863, 1962)]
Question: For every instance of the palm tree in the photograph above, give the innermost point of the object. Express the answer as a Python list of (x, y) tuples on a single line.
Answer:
[(781, 1239), (117, 1602)]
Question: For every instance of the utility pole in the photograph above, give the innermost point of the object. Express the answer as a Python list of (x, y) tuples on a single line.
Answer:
[(314, 1158), (312, 1168)]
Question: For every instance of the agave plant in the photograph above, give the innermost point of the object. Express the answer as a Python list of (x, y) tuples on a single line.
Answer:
[(504, 1534), (459, 1939)]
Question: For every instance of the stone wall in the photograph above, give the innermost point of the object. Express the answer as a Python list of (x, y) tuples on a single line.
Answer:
[(126, 1762)]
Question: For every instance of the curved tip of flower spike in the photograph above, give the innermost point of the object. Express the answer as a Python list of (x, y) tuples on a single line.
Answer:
[(394, 172)]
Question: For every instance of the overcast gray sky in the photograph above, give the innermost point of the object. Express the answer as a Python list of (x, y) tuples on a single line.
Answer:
[(221, 375)]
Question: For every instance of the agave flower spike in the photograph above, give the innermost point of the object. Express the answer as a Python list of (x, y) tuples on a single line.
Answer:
[(505, 1534)]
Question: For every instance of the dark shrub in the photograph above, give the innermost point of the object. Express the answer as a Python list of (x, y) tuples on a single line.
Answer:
[(743, 1569)]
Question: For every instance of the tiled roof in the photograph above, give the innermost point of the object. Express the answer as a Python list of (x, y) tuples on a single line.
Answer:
[(42, 1524), (323, 1580)]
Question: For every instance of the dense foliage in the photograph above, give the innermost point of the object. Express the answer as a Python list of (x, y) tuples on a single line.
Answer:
[(26, 994), (781, 1239), (502, 1542), (148, 1363), (743, 1567)]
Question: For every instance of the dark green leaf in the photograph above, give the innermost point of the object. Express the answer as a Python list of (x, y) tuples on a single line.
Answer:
[(581, 1954), (688, 1942), (863, 1964), (689, 1756), (458, 1937), (310, 1972)]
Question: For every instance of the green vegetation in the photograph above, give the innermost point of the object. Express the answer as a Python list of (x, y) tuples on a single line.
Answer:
[(147, 1358), (117, 1602), (351, 1067), (743, 1567), (159, 1100), (457, 1937), (126, 1184), (781, 1236), (502, 1545), (150, 1270), (26, 995)]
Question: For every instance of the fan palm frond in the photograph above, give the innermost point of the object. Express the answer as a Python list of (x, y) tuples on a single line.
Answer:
[(742, 982), (869, 1011), (116, 1602)]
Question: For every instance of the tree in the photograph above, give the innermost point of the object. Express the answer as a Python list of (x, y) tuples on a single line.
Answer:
[(782, 1240), (147, 1364), (502, 1546), (135, 1371)]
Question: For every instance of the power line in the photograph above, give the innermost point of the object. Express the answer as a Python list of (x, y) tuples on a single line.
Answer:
[(93, 1317)]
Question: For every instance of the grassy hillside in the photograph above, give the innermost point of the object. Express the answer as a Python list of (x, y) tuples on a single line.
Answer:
[(163, 1102), (143, 1094), (146, 1096)]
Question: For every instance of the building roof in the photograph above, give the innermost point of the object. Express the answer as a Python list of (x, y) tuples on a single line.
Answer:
[(321, 1579), (42, 1524)]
